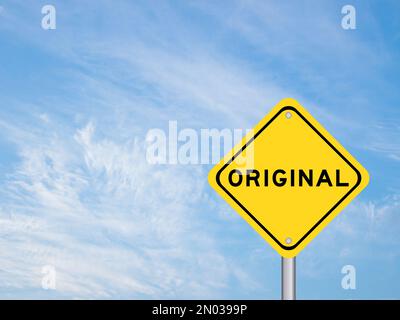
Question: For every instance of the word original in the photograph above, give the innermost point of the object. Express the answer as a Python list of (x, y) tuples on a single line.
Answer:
[(280, 178)]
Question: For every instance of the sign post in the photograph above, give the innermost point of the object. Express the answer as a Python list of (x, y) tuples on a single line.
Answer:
[(288, 178), (288, 278)]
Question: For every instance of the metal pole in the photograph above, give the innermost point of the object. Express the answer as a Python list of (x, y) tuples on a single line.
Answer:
[(288, 278)]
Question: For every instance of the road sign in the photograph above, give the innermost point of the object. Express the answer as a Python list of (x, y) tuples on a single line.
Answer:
[(288, 178)]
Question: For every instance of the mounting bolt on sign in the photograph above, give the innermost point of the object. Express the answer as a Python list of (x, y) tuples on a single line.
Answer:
[(288, 178)]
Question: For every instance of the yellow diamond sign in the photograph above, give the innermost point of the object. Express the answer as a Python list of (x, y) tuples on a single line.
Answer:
[(288, 178)]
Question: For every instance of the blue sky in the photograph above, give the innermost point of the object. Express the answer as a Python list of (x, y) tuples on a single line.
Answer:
[(76, 104)]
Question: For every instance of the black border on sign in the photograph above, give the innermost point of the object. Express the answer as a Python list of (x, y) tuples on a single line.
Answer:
[(325, 215)]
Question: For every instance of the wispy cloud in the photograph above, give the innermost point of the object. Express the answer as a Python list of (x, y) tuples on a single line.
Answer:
[(110, 223)]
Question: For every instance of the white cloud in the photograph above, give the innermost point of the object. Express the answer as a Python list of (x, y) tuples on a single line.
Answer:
[(111, 224), (364, 229)]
